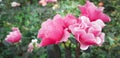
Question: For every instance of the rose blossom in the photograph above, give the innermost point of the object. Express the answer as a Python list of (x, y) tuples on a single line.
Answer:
[(53, 31), (88, 33), (93, 12), (14, 36)]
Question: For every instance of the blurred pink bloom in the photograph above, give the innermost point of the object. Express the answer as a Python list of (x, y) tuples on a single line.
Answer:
[(69, 20), (33, 44), (14, 36), (44, 2), (88, 33), (30, 47), (15, 4), (53, 31), (93, 12)]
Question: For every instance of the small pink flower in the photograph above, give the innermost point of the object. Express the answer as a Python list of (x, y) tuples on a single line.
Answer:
[(33, 44), (44, 2), (93, 12), (14, 36), (15, 4), (88, 33), (30, 47), (53, 31)]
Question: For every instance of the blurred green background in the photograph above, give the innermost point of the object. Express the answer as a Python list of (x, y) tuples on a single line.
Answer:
[(29, 16)]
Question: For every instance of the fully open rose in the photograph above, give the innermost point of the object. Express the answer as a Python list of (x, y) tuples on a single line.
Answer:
[(88, 33)]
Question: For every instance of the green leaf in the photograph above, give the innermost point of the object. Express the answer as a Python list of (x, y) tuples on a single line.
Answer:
[(111, 40)]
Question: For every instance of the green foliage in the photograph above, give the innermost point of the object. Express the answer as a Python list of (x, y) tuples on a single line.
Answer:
[(29, 16)]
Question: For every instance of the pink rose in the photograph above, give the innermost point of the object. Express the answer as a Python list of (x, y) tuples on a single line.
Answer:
[(93, 12), (53, 31), (88, 33), (14, 36)]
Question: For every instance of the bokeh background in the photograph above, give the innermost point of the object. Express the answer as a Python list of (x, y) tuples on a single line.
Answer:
[(29, 16)]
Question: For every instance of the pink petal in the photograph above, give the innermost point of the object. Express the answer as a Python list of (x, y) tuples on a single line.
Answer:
[(84, 19), (59, 20), (74, 28), (93, 30), (98, 40), (46, 41), (104, 17), (102, 36), (69, 19), (65, 36), (88, 39), (79, 34), (83, 46), (99, 22)]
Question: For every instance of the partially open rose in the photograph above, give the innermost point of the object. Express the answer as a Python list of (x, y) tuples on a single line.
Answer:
[(53, 31), (14, 36), (93, 12)]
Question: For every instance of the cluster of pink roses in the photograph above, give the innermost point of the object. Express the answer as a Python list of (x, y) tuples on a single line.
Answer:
[(87, 28)]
